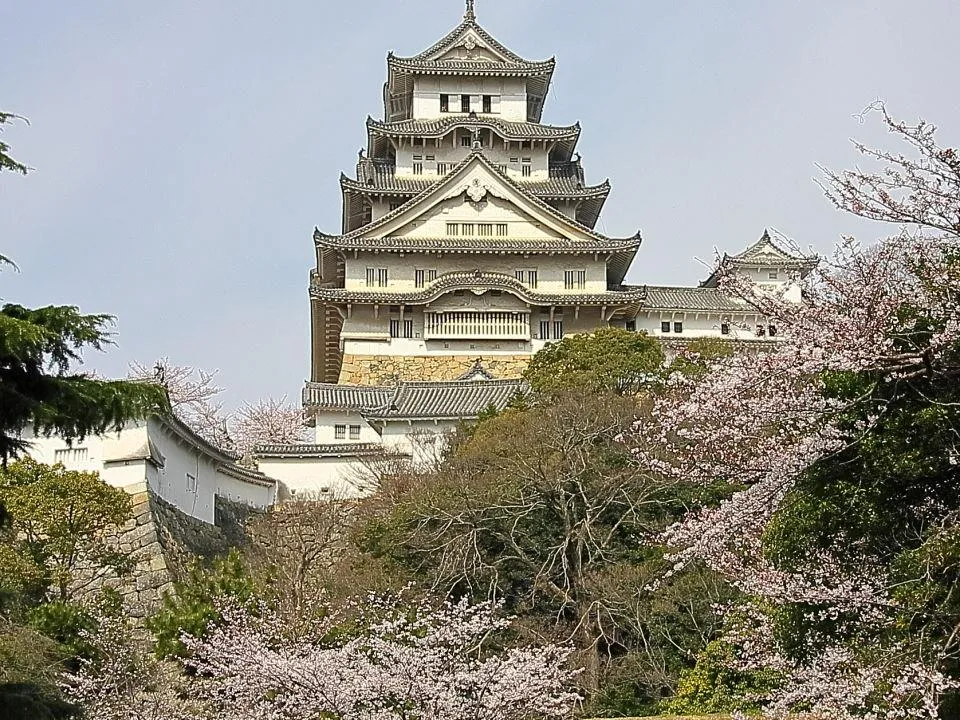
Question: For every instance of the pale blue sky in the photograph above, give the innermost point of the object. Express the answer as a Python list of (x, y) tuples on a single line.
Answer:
[(185, 150)]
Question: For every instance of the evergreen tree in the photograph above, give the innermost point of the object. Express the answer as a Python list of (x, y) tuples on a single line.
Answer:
[(38, 386)]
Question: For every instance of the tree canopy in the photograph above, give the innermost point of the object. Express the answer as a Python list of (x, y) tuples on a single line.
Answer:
[(6, 162), (610, 359)]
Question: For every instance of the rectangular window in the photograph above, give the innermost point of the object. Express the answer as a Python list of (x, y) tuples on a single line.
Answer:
[(354, 432), (382, 277), (502, 168), (466, 141), (418, 278), (371, 277), (70, 455), (772, 331), (558, 329), (340, 432), (466, 229), (417, 157), (574, 279), (725, 328), (515, 160), (453, 229), (444, 103), (408, 329), (443, 168), (630, 326), (465, 103), (761, 331), (395, 327), (431, 157), (544, 329), (527, 276), (488, 103), (191, 483), (418, 168), (526, 171), (664, 327), (773, 275), (678, 327), (528, 160), (485, 229)]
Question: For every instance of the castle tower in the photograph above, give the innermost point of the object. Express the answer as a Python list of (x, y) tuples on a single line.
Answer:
[(468, 231)]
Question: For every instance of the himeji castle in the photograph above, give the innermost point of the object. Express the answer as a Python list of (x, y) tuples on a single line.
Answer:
[(468, 242)]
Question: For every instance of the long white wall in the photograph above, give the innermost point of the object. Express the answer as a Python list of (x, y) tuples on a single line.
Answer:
[(184, 476)]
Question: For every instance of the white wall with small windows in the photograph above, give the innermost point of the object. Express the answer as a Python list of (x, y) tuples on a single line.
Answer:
[(574, 274), (186, 473), (432, 158), (505, 97), (670, 325)]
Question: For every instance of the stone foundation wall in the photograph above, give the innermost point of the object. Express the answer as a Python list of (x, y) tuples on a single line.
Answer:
[(386, 369), (161, 543)]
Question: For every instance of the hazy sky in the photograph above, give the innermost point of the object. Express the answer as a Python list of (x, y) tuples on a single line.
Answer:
[(184, 150)]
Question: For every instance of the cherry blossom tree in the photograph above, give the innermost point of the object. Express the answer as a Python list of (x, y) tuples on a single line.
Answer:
[(382, 659), (875, 341), (195, 398), (120, 683)]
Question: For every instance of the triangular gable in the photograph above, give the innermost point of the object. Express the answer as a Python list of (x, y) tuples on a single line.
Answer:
[(476, 180), (466, 34), (764, 250)]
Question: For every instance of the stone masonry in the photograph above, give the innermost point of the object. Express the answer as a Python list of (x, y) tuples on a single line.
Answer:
[(387, 369), (161, 543)]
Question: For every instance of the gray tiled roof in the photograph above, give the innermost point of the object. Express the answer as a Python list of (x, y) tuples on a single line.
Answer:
[(314, 451), (691, 298), (342, 241), (472, 245), (448, 400), (766, 251), (345, 397), (455, 399), (382, 179), (246, 475), (508, 130)]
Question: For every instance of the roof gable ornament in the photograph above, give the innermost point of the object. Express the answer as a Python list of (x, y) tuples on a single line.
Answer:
[(470, 15)]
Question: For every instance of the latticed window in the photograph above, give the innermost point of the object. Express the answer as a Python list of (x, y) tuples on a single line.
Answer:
[(418, 168), (465, 103), (665, 327), (453, 229), (340, 432), (527, 276), (354, 432), (466, 141), (485, 229), (678, 327), (444, 103), (466, 229), (443, 168), (502, 229), (422, 277), (377, 277), (526, 171), (574, 279)]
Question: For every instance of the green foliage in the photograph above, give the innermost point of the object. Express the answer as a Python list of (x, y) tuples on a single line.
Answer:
[(696, 357), (7, 162), (713, 687), (192, 606), (608, 360), (58, 520), (37, 349), (30, 667), (65, 623)]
